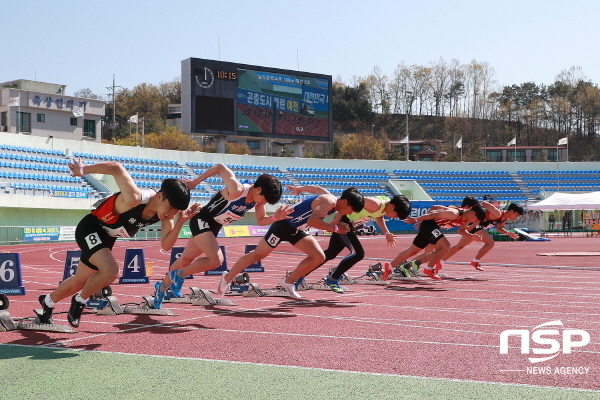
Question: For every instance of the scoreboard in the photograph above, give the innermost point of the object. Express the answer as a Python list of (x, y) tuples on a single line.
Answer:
[(223, 98)]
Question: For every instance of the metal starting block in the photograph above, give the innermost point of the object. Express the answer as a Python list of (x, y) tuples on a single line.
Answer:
[(377, 274), (239, 284), (7, 324), (109, 305), (197, 297), (400, 277), (255, 291)]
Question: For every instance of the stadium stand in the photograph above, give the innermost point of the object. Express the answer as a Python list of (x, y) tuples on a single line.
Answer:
[(455, 185)]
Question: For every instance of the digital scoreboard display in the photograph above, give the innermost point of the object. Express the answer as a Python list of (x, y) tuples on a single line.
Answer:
[(222, 98)]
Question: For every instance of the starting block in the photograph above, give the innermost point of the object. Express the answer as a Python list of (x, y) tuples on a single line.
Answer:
[(377, 274), (239, 284), (105, 303), (255, 291), (33, 324), (400, 277), (197, 297)]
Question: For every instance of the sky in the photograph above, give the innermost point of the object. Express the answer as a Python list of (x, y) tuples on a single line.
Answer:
[(82, 44)]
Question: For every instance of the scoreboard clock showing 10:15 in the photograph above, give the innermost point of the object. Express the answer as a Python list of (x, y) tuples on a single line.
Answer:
[(207, 79), (226, 75)]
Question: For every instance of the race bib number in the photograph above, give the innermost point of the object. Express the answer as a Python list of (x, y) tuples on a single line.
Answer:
[(227, 218), (93, 240), (117, 232), (273, 240), (202, 225)]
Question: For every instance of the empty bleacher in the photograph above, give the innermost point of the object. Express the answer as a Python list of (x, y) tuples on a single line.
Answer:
[(455, 185), (563, 181), (371, 182), (42, 172)]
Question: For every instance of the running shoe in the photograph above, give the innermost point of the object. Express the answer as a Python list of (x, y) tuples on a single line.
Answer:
[(176, 283), (159, 295), (431, 273), (438, 266), (290, 288), (46, 317), (414, 268), (333, 285), (403, 269), (75, 311), (476, 265), (223, 284)]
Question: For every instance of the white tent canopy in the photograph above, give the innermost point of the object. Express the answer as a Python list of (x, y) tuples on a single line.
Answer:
[(569, 201)]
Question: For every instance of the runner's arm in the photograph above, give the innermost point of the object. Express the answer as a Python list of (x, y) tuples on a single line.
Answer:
[(130, 195), (324, 204), (315, 189), (439, 214), (170, 228), (233, 188), (282, 212)]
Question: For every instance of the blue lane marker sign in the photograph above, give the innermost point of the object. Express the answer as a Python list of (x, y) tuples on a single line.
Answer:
[(175, 254), (11, 281), (222, 267), (257, 266), (134, 267), (71, 263)]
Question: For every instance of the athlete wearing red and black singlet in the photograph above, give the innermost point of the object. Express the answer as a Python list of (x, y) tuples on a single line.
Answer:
[(487, 222), (429, 230), (101, 228)]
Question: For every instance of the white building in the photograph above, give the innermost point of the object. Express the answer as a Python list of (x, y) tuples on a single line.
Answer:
[(41, 109)]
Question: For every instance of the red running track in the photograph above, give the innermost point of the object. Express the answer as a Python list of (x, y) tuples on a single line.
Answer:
[(445, 329)]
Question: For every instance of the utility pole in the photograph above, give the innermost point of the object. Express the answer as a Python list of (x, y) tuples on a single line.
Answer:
[(114, 100)]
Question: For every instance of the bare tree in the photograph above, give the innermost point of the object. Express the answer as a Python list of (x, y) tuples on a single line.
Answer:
[(440, 84)]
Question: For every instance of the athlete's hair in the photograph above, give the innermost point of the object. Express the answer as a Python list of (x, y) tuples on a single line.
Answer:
[(270, 188), (354, 198), (176, 192), (479, 211), (516, 208), (469, 201), (401, 205)]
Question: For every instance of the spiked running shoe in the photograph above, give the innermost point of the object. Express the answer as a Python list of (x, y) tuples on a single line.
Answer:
[(403, 269), (176, 283), (431, 273), (476, 265), (413, 267), (159, 295), (438, 266), (334, 285), (75, 311), (290, 288), (223, 284), (46, 317)]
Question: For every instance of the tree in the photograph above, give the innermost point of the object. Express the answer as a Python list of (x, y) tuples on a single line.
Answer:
[(237, 148), (170, 138), (362, 146), (351, 105), (87, 94)]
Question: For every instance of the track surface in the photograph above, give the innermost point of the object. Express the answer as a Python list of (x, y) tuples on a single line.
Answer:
[(448, 329)]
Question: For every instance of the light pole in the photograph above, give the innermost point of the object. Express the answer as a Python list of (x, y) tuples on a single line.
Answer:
[(408, 104)]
